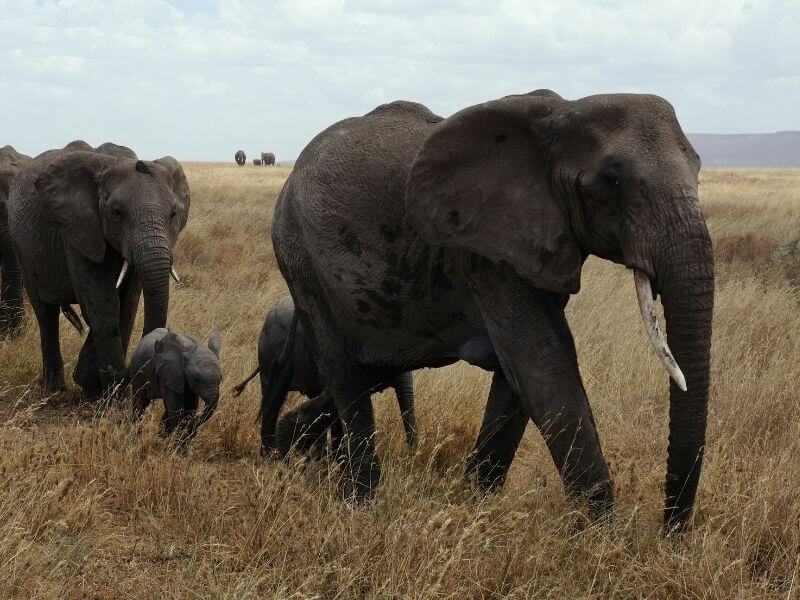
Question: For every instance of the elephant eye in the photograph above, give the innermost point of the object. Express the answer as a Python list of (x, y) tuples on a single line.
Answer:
[(610, 176), (116, 210)]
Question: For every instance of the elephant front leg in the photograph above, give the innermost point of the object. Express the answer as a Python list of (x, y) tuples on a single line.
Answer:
[(102, 356), (536, 351), (503, 425)]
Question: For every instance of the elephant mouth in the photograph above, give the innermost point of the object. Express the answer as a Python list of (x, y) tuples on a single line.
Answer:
[(644, 293), (124, 271)]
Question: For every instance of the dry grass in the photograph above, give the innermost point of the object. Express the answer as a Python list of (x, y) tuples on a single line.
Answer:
[(91, 507)]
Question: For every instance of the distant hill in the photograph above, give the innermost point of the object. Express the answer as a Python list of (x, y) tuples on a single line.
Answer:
[(780, 149)]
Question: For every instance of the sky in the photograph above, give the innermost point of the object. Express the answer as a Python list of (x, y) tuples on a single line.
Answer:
[(199, 79)]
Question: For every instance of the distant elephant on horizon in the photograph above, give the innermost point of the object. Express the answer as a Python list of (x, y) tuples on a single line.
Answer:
[(268, 158), (240, 157), (11, 309), (296, 428), (257, 162), (96, 227)]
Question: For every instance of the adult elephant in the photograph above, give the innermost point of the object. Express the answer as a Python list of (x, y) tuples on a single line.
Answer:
[(409, 241), (10, 276), (97, 229), (240, 157), (267, 158)]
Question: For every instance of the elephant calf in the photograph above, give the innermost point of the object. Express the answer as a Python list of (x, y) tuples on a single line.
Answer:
[(257, 162), (178, 368), (303, 427)]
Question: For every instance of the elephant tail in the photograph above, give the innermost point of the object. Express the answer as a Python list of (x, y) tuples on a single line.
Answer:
[(239, 388), (275, 388), (72, 317)]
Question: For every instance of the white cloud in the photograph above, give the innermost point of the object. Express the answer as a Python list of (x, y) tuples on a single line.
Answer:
[(200, 79)]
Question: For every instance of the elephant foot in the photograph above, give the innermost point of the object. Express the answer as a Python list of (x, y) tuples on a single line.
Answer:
[(53, 381), (488, 475), (359, 480)]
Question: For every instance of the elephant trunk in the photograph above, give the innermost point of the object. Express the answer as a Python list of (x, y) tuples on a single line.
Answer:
[(153, 267), (685, 276)]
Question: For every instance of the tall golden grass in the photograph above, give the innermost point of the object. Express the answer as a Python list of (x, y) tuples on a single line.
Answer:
[(94, 507)]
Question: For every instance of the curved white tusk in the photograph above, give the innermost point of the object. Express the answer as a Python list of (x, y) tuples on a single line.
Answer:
[(174, 275), (122, 274), (645, 295)]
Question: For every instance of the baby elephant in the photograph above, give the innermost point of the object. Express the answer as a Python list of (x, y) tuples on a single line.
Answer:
[(304, 421), (178, 368)]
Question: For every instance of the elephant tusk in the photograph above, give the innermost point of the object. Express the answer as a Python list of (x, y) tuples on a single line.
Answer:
[(174, 275), (122, 274), (645, 295)]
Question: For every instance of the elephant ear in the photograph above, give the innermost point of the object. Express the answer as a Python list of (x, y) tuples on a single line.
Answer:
[(171, 359), (215, 341), (68, 190), (203, 372), (180, 187), (480, 182)]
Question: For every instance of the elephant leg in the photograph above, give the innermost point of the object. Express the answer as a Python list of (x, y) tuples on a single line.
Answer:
[(337, 436), (141, 400), (87, 372), (305, 427), (187, 425), (361, 466), (501, 431), (47, 316), (534, 345), (404, 388), (96, 369)]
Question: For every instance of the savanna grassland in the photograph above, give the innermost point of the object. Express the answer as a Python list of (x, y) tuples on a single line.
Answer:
[(94, 507)]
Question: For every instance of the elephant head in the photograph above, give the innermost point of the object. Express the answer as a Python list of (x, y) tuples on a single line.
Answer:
[(101, 203), (539, 183)]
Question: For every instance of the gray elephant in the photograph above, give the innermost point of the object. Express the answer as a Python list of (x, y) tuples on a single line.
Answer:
[(240, 157), (411, 241), (267, 158), (302, 432), (10, 277), (257, 162), (96, 229), (178, 368)]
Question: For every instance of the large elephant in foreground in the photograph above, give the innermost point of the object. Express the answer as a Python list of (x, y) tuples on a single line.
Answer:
[(96, 227), (409, 241), (240, 157), (267, 158), (10, 277), (311, 421)]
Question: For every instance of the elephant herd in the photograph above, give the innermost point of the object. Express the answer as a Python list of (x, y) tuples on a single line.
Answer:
[(407, 240), (267, 159)]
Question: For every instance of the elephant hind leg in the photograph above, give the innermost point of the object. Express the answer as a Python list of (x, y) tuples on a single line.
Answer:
[(501, 431), (47, 316)]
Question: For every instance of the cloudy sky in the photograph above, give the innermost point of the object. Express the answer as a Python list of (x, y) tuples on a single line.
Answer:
[(198, 79)]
